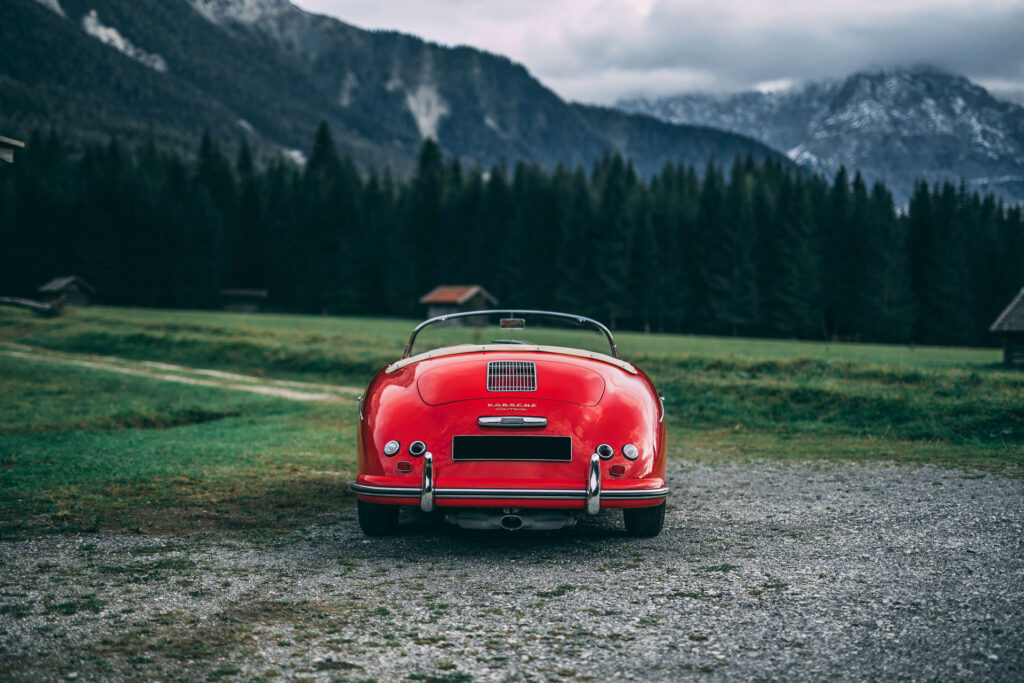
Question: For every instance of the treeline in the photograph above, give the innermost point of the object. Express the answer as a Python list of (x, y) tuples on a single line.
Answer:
[(755, 249)]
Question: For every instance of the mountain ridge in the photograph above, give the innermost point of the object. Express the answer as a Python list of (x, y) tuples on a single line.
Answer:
[(897, 125), (268, 72)]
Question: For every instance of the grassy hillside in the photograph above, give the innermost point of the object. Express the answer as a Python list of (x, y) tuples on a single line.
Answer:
[(83, 448), (351, 349)]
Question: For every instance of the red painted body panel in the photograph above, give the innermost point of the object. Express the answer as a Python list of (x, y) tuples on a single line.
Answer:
[(435, 399), (459, 380)]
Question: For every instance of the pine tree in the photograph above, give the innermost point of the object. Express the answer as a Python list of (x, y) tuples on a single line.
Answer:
[(616, 224), (425, 207), (792, 295), (885, 306), (726, 242)]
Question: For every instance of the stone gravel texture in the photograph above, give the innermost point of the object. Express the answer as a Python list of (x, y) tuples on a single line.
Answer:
[(764, 571)]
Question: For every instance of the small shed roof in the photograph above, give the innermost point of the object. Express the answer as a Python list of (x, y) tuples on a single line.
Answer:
[(59, 284), (455, 294), (249, 293), (7, 147), (1012, 317)]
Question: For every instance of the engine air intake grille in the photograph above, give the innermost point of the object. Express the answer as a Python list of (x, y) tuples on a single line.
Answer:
[(511, 375)]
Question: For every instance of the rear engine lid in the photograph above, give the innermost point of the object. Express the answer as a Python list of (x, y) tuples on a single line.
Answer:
[(524, 380)]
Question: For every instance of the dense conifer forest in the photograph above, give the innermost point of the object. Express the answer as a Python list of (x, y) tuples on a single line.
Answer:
[(745, 248)]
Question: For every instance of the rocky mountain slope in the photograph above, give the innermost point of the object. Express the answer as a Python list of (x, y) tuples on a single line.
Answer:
[(268, 71), (896, 125)]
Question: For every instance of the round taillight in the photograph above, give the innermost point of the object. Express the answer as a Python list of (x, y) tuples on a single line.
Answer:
[(630, 452), (391, 447), (417, 448), (605, 451)]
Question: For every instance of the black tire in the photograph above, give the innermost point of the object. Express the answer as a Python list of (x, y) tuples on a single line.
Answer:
[(376, 519), (644, 522)]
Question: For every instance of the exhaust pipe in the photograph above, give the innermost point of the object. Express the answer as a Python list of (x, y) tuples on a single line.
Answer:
[(535, 520), (511, 522)]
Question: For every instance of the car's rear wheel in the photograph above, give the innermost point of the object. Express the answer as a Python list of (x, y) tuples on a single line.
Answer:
[(644, 521), (376, 519)]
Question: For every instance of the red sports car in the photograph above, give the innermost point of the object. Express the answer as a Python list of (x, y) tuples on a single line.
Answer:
[(525, 431)]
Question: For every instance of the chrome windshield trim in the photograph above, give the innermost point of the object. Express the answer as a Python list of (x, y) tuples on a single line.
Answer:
[(513, 313), (509, 494)]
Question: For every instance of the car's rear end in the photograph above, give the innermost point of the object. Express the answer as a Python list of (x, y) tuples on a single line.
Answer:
[(511, 437)]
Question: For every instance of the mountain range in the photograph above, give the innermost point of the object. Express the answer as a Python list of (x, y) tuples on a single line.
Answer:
[(894, 125), (269, 72)]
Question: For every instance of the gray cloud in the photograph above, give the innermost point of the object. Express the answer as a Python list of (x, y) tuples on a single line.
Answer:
[(599, 50)]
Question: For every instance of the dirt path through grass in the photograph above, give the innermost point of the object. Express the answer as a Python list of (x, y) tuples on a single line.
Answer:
[(296, 391)]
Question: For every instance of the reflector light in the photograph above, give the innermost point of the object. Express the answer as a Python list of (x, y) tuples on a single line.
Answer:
[(404, 466), (391, 447)]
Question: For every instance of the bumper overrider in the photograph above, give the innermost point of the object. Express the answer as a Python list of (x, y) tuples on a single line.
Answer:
[(592, 495)]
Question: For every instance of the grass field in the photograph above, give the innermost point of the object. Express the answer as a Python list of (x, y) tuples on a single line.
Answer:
[(84, 448)]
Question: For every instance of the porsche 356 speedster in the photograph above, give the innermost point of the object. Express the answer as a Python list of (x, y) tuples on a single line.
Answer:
[(511, 420)]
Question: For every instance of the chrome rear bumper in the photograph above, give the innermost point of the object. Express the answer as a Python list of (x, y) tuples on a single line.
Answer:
[(428, 493), (508, 494)]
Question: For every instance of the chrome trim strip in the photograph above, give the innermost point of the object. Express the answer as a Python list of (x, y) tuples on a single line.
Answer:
[(635, 494), (532, 494), (511, 421), (427, 488), (593, 500), (509, 494), (385, 491)]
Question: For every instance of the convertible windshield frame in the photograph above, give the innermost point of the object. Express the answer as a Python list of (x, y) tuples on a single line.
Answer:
[(513, 313)]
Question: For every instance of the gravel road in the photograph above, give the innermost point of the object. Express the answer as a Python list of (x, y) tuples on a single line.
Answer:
[(764, 571)]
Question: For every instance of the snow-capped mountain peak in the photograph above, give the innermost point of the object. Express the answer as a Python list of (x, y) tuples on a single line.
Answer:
[(240, 11), (896, 125)]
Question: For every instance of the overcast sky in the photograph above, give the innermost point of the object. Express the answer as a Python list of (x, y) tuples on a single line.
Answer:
[(600, 50)]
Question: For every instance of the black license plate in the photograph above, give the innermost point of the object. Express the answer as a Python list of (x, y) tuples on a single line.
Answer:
[(546, 448)]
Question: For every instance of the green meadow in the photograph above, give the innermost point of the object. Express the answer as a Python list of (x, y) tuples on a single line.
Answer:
[(85, 448)]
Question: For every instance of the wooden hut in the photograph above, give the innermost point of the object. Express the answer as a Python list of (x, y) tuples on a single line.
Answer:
[(1010, 324), (69, 290), (448, 299), (243, 300), (7, 147)]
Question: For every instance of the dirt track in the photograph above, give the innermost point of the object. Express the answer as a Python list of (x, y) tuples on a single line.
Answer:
[(764, 571), (296, 391)]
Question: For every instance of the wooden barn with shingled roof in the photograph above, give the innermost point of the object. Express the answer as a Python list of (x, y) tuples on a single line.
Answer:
[(69, 290), (448, 299), (7, 148), (1010, 324)]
